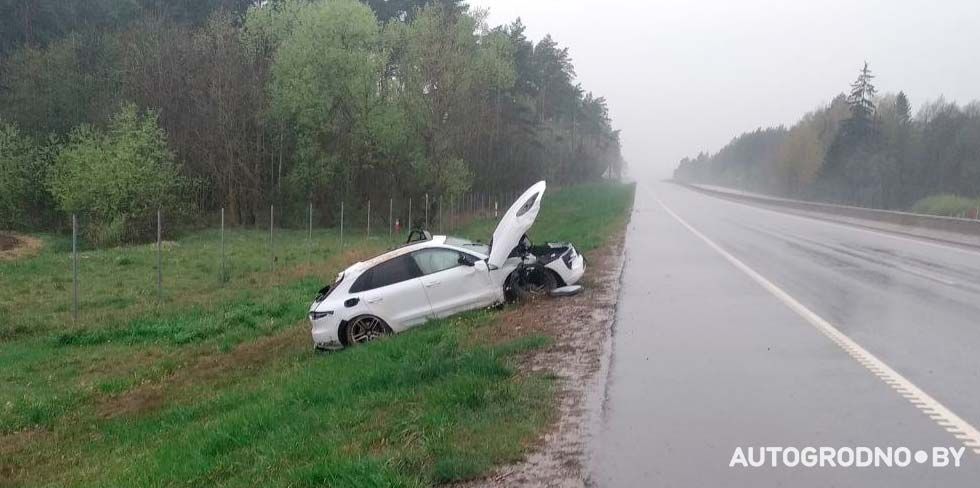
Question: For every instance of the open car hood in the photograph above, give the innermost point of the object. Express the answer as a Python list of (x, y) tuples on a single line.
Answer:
[(515, 223)]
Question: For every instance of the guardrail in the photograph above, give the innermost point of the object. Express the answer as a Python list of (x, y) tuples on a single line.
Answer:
[(946, 229)]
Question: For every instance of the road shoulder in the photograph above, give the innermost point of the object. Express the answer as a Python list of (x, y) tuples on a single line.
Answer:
[(578, 357)]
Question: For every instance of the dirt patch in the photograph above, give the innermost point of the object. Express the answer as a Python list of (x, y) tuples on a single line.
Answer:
[(578, 356), (216, 370), (17, 246), (12, 443), (213, 370)]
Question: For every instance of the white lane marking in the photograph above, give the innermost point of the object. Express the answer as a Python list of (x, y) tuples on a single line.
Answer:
[(944, 417), (857, 227)]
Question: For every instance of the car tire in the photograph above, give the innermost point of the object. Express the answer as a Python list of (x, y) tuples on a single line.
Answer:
[(363, 329), (530, 282)]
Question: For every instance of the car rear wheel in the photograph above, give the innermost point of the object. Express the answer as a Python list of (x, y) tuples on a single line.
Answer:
[(529, 282), (365, 328)]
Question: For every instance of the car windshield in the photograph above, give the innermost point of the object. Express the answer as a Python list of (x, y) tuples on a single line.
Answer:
[(466, 243)]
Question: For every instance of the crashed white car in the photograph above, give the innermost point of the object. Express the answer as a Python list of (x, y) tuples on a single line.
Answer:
[(436, 276)]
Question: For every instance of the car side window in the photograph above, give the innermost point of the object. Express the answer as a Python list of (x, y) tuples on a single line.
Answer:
[(435, 260), (362, 283), (393, 271)]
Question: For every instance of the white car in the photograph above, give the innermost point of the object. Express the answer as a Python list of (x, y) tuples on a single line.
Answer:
[(436, 276)]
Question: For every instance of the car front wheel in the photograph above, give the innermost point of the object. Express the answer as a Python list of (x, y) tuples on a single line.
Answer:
[(529, 282), (365, 328)]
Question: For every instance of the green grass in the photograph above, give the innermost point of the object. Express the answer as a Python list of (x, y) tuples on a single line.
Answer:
[(218, 386), (948, 206)]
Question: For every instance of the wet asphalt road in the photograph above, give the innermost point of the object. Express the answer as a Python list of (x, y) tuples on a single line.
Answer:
[(706, 360)]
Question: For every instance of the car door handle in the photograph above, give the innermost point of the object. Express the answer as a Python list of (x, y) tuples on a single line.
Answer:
[(375, 300), (433, 283)]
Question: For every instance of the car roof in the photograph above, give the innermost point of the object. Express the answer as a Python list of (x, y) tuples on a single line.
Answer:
[(436, 241)]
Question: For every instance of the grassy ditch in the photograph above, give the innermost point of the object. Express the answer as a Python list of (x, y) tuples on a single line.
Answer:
[(218, 385), (948, 206)]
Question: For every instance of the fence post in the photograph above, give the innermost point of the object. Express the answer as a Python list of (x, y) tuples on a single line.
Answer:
[(341, 224), (272, 250), (74, 268), (426, 211), (309, 239), (369, 219), (159, 256), (222, 278), (391, 215)]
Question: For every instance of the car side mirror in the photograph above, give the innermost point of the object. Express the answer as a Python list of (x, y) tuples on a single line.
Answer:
[(466, 260)]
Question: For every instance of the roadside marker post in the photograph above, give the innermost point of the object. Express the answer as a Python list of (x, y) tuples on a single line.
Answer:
[(341, 225), (369, 219), (391, 215), (409, 214), (426, 211)]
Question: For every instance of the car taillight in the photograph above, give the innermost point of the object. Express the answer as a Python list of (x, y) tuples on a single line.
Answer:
[(320, 315)]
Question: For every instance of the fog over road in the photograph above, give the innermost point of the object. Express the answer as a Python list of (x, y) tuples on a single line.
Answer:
[(706, 358)]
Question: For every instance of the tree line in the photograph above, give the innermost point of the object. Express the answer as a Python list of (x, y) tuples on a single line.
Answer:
[(862, 149), (116, 108)]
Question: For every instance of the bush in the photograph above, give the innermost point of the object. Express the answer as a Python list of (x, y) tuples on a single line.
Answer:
[(23, 165), (118, 178), (948, 206)]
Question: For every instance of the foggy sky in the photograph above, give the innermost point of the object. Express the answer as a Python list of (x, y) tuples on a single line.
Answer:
[(683, 77)]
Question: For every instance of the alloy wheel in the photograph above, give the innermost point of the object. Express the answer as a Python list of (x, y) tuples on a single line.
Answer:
[(365, 329)]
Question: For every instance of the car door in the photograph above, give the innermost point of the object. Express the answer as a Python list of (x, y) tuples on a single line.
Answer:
[(451, 285), (393, 291)]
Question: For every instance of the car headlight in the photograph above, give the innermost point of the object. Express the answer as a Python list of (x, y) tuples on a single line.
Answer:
[(320, 315), (569, 257)]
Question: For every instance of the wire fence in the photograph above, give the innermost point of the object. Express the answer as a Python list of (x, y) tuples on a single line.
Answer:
[(236, 252)]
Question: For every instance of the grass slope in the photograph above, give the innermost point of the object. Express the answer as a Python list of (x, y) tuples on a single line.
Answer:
[(948, 206), (218, 386)]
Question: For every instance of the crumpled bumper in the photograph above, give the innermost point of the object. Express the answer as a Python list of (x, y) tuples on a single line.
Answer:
[(574, 272)]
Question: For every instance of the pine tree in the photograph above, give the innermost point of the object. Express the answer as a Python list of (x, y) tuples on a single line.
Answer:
[(903, 108), (861, 102)]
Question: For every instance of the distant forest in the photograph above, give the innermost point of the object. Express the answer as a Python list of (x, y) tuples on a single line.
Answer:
[(862, 149), (114, 108)]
